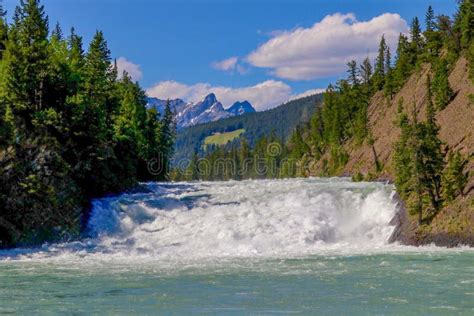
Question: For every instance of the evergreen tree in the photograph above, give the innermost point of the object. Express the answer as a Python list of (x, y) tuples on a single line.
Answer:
[(389, 86), (57, 32), (379, 72), (433, 39), (168, 134), (454, 178), (441, 88), (27, 64), (403, 67), (366, 71), (464, 23), (353, 72), (433, 158), (430, 19), (416, 39)]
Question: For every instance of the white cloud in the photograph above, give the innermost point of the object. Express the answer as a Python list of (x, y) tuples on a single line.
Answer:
[(324, 49), (262, 96), (307, 93), (231, 64), (226, 64), (132, 69)]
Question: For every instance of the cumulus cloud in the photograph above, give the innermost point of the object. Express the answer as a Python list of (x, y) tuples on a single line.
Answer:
[(226, 64), (231, 64), (307, 93), (324, 49), (132, 69), (262, 96)]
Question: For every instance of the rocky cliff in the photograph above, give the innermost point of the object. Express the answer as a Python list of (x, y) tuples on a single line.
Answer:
[(454, 224)]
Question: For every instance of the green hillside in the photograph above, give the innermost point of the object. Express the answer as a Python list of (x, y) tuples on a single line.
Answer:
[(223, 138), (281, 120)]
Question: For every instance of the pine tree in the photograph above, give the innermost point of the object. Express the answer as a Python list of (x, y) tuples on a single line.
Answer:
[(434, 42), (97, 85), (441, 88), (403, 155), (57, 32), (430, 19), (366, 71), (403, 68), (353, 72), (27, 64), (464, 23), (168, 134), (389, 86), (454, 178), (433, 158), (416, 39), (379, 72), (316, 132)]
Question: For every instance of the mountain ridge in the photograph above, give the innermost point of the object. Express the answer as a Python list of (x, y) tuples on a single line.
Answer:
[(210, 109)]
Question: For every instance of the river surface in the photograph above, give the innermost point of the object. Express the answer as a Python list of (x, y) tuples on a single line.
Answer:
[(300, 246)]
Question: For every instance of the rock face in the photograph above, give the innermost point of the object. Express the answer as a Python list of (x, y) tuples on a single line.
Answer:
[(454, 224), (239, 108), (207, 110)]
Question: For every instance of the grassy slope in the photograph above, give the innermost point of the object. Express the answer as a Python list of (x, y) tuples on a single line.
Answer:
[(223, 138), (455, 223)]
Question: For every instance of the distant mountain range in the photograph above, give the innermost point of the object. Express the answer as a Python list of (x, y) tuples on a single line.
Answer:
[(281, 121), (207, 110)]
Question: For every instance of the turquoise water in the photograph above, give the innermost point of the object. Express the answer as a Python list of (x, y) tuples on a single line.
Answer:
[(430, 283), (301, 246)]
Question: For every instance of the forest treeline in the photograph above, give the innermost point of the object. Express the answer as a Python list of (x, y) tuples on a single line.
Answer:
[(427, 175), (71, 128), (280, 121)]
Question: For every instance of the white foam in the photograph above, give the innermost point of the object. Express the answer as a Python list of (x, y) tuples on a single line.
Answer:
[(247, 219)]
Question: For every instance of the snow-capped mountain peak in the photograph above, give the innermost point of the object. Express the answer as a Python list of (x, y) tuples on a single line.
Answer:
[(207, 110)]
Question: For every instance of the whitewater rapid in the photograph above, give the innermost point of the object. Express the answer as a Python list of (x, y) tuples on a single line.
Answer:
[(254, 218), (248, 218)]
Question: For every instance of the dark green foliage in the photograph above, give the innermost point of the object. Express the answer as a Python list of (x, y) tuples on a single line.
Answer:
[(454, 178), (389, 86), (403, 63), (441, 88), (379, 72), (432, 36), (3, 32), (419, 161), (69, 129), (430, 19), (464, 23), (268, 159), (417, 42), (470, 58), (366, 71)]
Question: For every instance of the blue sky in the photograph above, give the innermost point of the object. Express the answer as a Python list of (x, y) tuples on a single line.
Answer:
[(265, 51)]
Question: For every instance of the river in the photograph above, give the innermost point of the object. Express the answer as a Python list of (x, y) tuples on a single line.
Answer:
[(307, 246)]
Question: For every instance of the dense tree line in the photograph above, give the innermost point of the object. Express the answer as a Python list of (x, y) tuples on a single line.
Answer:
[(269, 158), (71, 128), (281, 120)]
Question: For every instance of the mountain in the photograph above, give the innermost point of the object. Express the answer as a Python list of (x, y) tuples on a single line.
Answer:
[(239, 108), (207, 110), (177, 105), (281, 120)]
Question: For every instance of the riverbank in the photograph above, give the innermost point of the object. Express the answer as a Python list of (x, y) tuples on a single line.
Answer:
[(451, 227)]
